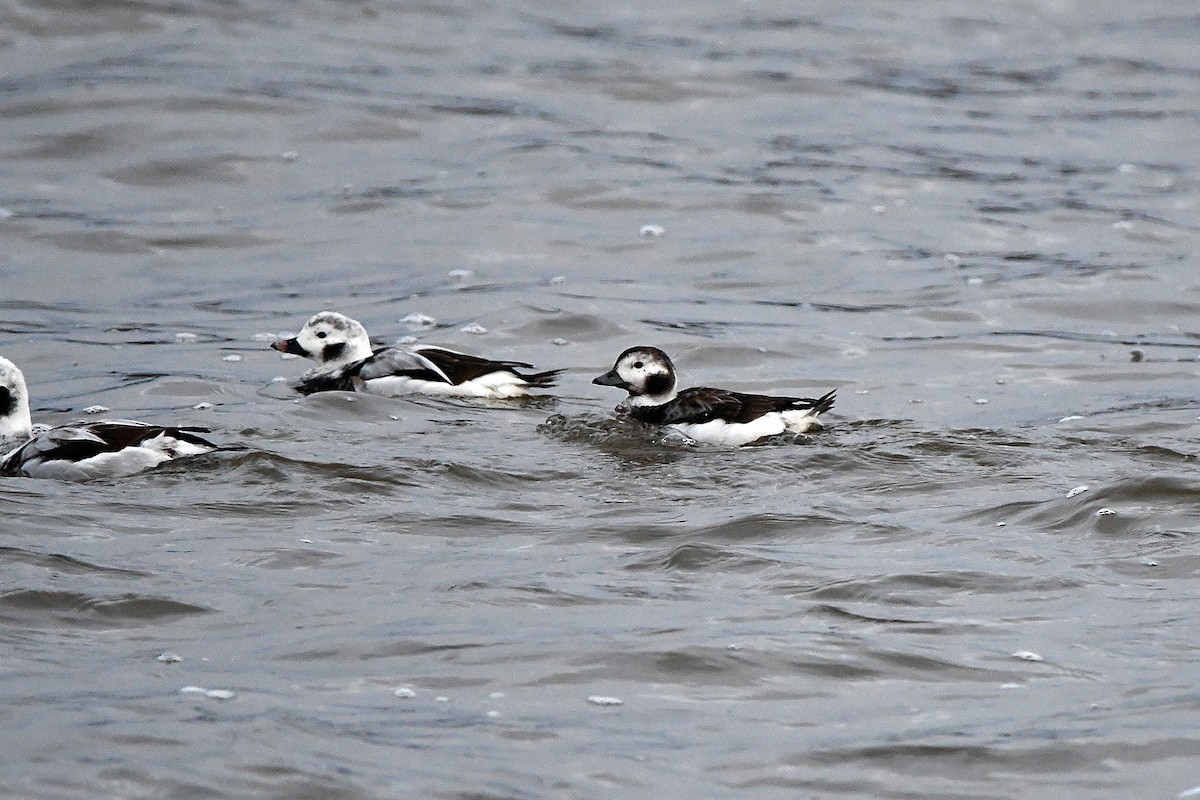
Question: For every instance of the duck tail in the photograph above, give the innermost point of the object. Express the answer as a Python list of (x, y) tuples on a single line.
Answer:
[(541, 380)]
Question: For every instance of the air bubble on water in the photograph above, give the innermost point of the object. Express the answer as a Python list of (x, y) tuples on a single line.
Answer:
[(407, 340), (204, 405), (417, 321), (601, 700), (232, 358), (460, 274), (1077, 490), (290, 155), (982, 401), (559, 341), (192, 690), (441, 699), (1106, 512), (96, 409), (1149, 562), (1027, 655), (862, 391), (652, 231), (168, 658), (474, 328), (493, 714), (1071, 418), (953, 258), (559, 279), (405, 692), (186, 336)]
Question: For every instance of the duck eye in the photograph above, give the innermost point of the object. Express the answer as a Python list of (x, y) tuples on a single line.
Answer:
[(637, 365), (321, 334)]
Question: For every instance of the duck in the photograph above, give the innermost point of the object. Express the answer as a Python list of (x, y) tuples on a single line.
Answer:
[(346, 361), (704, 414), (79, 451)]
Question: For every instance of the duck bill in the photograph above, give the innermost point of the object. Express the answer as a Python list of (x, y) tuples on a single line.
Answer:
[(610, 378), (291, 347)]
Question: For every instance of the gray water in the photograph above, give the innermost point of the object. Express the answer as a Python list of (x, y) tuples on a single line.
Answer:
[(977, 221)]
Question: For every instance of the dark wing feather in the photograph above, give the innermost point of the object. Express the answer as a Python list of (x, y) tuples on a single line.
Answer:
[(700, 404), (704, 404), (462, 367)]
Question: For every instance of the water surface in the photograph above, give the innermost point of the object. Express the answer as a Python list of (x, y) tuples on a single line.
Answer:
[(978, 224)]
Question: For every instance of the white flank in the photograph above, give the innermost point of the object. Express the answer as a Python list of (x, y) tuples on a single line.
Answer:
[(499, 384)]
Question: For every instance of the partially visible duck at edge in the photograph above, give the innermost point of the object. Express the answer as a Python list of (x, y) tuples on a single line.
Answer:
[(108, 448)]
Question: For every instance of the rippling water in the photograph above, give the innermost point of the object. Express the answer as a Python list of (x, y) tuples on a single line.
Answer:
[(979, 224)]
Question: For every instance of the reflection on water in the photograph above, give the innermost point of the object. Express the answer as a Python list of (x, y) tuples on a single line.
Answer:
[(977, 223)]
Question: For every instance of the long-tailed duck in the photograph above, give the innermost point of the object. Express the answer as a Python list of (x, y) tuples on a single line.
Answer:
[(109, 448), (716, 416), (347, 362)]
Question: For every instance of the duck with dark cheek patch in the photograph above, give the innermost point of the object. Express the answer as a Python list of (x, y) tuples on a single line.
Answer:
[(717, 416), (346, 361)]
